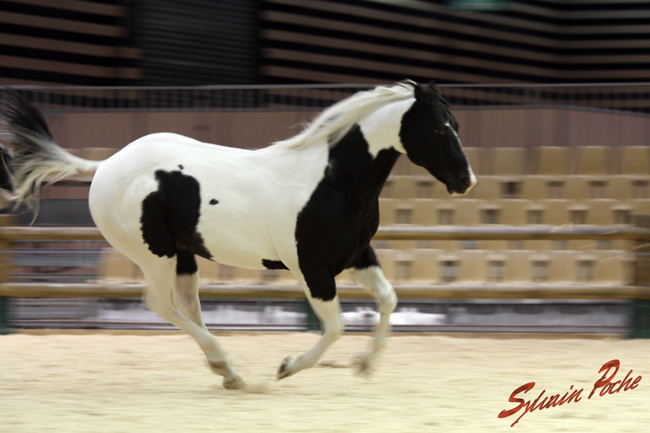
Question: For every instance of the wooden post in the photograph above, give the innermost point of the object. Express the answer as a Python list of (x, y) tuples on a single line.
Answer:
[(640, 322), (312, 323), (5, 272), (4, 315)]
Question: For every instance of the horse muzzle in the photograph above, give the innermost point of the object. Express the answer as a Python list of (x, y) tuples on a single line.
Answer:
[(463, 185)]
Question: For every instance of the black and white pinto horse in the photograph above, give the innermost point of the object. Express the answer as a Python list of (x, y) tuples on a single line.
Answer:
[(308, 204)]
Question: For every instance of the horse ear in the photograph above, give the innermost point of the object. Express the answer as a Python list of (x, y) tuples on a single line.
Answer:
[(433, 87), (421, 94)]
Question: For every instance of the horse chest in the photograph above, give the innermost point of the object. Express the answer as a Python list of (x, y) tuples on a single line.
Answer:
[(334, 228), (342, 215)]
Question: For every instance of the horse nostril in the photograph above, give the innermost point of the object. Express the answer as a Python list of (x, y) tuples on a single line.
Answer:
[(465, 181)]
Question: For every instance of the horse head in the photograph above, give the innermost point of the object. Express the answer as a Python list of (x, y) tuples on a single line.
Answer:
[(429, 135)]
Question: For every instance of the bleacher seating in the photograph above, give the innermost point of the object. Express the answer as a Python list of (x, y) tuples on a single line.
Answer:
[(507, 161), (593, 161), (556, 186), (635, 161), (550, 161)]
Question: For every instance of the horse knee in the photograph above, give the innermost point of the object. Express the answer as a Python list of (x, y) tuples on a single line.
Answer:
[(388, 303), (334, 330)]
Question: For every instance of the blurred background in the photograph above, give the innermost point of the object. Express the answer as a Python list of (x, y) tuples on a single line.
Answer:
[(166, 43), (553, 105)]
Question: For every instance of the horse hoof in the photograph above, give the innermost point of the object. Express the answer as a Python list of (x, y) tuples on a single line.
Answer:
[(362, 363), (283, 371), (233, 383)]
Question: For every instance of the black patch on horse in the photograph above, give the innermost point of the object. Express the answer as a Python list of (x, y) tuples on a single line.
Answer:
[(274, 264), (214, 201), (170, 216), (185, 263), (334, 229), (367, 259)]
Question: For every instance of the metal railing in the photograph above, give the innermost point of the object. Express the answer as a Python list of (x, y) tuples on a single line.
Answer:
[(632, 97), (490, 115)]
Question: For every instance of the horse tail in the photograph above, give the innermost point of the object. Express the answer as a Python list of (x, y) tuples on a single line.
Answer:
[(6, 190), (35, 156)]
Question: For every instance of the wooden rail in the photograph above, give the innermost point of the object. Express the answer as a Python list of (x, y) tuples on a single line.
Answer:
[(523, 291), (438, 233), (508, 233), (518, 291)]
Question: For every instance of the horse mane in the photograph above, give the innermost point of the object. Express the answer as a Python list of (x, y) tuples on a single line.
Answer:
[(337, 120)]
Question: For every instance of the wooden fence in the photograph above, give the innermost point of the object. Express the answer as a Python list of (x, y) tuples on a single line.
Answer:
[(638, 292)]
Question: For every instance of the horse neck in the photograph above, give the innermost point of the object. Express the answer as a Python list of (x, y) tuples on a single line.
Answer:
[(381, 129), (361, 162), (366, 155)]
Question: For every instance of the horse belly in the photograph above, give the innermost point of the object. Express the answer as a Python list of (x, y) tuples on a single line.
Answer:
[(234, 244)]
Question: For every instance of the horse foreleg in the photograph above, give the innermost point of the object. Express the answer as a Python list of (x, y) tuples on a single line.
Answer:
[(373, 280), (329, 313), (158, 297)]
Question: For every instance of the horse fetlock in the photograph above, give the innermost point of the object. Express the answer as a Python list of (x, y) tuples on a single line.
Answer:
[(286, 369), (233, 382), (363, 363), (220, 367)]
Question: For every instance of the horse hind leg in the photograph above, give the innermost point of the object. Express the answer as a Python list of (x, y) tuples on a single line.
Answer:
[(329, 313), (159, 297), (186, 291), (186, 298)]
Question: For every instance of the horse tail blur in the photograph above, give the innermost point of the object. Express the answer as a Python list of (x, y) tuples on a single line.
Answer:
[(6, 189), (35, 156)]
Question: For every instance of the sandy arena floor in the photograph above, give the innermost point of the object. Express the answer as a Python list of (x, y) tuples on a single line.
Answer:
[(101, 382)]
